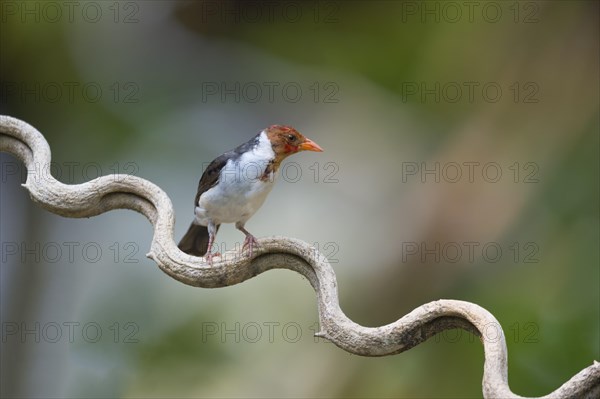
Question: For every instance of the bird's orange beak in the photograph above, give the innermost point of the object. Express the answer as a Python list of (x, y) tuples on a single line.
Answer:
[(310, 145)]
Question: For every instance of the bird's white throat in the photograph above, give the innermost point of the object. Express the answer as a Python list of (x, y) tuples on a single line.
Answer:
[(264, 148), (252, 164)]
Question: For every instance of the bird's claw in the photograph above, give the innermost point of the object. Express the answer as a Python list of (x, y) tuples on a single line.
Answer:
[(209, 257), (249, 244)]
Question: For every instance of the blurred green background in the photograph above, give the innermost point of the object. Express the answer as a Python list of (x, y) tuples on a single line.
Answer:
[(398, 94)]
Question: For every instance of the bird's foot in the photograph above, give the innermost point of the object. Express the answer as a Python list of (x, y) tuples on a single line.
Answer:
[(209, 257), (249, 244)]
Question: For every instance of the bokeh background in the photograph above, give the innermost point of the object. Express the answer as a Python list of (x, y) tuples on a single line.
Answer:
[(398, 94)]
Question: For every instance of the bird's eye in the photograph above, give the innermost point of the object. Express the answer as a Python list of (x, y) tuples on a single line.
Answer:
[(291, 137)]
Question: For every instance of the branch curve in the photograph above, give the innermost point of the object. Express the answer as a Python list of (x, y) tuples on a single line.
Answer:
[(106, 193)]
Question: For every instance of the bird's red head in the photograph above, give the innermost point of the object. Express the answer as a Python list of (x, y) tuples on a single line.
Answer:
[(286, 141)]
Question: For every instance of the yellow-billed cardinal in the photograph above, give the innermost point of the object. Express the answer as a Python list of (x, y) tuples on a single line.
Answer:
[(235, 185)]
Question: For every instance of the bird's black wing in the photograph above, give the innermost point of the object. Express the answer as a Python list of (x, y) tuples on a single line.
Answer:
[(195, 241), (210, 177)]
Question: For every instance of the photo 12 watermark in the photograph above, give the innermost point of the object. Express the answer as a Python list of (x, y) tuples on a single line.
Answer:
[(470, 92), (70, 12), (291, 172), (52, 332), (70, 252), (68, 172), (517, 333), (452, 12), (269, 92), (470, 172), (70, 92), (250, 332), (329, 249), (469, 252)]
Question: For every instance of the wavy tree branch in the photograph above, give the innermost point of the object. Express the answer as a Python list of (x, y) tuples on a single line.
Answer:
[(106, 193)]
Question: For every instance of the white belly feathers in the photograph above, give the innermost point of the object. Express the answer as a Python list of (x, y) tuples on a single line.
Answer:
[(241, 189)]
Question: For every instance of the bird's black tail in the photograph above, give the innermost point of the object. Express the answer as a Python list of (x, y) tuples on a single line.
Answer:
[(195, 241)]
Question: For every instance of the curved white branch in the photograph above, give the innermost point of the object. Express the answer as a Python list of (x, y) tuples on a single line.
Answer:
[(123, 191)]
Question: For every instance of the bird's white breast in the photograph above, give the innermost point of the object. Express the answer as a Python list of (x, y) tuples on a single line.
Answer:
[(242, 187)]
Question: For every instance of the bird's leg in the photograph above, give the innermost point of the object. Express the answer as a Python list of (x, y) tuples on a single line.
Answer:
[(250, 240), (212, 232)]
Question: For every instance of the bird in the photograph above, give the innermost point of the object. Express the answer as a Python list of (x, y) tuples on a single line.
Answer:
[(235, 185)]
